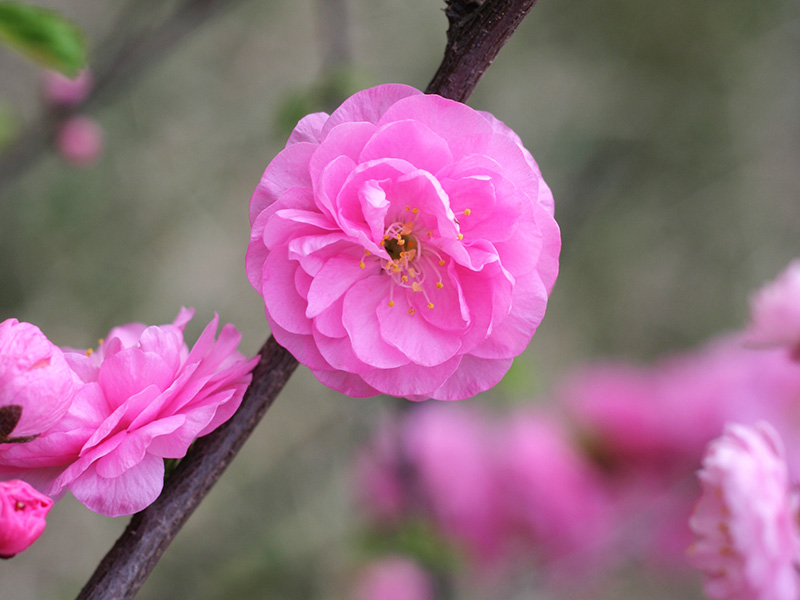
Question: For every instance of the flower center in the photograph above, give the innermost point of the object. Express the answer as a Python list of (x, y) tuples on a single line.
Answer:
[(411, 263)]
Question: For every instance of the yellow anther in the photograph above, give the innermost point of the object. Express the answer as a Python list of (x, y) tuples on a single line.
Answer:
[(441, 262), (400, 241), (404, 278), (412, 271), (430, 234), (439, 284), (415, 211), (391, 303), (467, 212), (89, 352), (408, 207), (460, 236), (430, 304), (361, 264), (367, 252), (415, 286), (411, 311), (382, 243)]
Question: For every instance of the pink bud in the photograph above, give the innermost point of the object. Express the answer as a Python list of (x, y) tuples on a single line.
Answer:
[(36, 384), (80, 141), (63, 91), (22, 516)]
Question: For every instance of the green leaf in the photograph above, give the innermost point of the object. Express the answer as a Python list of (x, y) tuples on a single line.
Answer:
[(43, 36)]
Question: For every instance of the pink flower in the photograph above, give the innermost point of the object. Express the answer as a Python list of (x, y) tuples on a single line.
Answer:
[(80, 141), (22, 516), (36, 383), (403, 245), (394, 578), (63, 91), (450, 454), (145, 398), (552, 495), (775, 312), (745, 523)]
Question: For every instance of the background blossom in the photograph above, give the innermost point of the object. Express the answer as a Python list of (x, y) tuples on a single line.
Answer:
[(775, 312), (747, 540), (405, 244), (145, 397)]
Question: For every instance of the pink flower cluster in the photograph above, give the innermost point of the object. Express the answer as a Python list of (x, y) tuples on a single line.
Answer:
[(405, 245), (489, 486), (141, 397), (609, 477), (746, 527)]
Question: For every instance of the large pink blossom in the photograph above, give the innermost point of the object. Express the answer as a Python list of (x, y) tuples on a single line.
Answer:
[(22, 516), (36, 383), (745, 523), (405, 244), (775, 312), (145, 397)]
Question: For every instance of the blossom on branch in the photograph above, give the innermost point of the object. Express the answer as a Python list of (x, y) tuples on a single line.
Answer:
[(22, 516), (145, 397), (745, 522), (405, 245), (36, 383)]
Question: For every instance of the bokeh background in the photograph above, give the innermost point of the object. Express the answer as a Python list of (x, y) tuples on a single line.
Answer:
[(668, 131)]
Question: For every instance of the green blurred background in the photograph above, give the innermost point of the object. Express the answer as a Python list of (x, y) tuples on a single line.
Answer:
[(668, 131)]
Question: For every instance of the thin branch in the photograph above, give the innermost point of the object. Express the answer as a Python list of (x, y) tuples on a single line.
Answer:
[(124, 569), (476, 34), (118, 64), (478, 30)]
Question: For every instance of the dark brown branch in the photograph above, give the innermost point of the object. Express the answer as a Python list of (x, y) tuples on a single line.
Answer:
[(476, 34), (478, 30), (125, 568)]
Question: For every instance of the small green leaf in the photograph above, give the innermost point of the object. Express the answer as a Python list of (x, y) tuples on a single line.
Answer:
[(43, 36)]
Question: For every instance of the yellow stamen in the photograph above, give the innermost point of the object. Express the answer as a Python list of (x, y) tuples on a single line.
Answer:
[(416, 287), (441, 262), (89, 352), (460, 236), (411, 311), (415, 211), (430, 304), (391, 303), (467, 212), (361, 264), (439, 284), (367, 252)]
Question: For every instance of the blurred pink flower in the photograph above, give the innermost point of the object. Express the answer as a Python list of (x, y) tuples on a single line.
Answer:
[(80, 141), (36, 383), (63, 91), (553, 497), (775, 312), (403, 245), (450, 453), (378, 478), (394, 578), (145, 397), (745, 522), (22, 516)]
